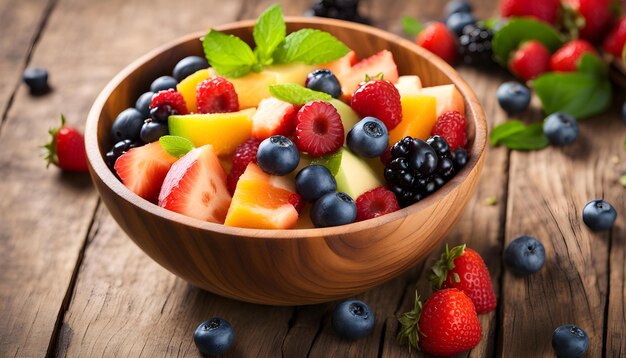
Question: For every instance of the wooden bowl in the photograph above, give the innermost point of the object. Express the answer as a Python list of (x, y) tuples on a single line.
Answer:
[(285, 267)]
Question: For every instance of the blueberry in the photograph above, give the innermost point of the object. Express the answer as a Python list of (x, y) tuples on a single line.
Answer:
[(163, 83), (569, 341), (118, 149), (188, 66), (152, 131), (162, 113), (323, 80), (143, 104), (457, 21), (353, 319), (368, 138), (455, 6), (561, 129), (333, 209), (599, 215), (127, 125), (214, 336), (624, 112), (422, 157), (460, 158), (525, 255), (513, 97), (313, 181), (36, 79), (278, 155)]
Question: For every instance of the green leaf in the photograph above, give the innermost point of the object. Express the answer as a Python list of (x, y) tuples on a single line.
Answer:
[(309, 46), (296, 94), (228, 54), (269, 31), (593, 65), (331, 161), (411, 26), (175, 145), (531, 138), (494, 23), (504, 130), (622, 180), (520, 30)]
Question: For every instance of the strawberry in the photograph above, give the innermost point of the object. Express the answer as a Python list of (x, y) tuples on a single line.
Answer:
[(273, 117), (615, 41), (530, 60), (379, 63), (216, 95), (545, 10), (438, 39), (451, 127), (566, 58), (66, 149), (598, 15), (172, 98), (379, 99), (319, 129), (375, 202), (446, 324), (464, 269), (244, 154)]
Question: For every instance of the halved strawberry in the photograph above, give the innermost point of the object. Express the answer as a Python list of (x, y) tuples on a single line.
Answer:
[(379, 99), (196, 186), (374, 203), (373, 66), (144, 168), (273, 117), (319, 129)]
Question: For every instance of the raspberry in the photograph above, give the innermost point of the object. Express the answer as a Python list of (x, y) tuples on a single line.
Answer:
[(171, 98), (451, 127), (244, 154), (374, 203), (216, 95), (319, 129), (379, 99), (297, 202)]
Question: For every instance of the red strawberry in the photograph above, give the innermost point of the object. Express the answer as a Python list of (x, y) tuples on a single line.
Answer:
[(143, 169), (464, 269), (319, 129), (437, 39), (374, 203), (599, 16), (66, 149), (616, 39), (451, 127), (530, 60), (379, 99), (379, 63), (273, 117), (172, 98), (446, 324), (216, 95), (545, 10), (244, 154), (566, 58)]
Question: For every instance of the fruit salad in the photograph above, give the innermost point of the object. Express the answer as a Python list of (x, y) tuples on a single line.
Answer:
[(284, 137)]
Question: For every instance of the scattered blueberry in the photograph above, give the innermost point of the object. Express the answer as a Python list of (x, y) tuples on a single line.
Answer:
[(457, 21), (599, 215), (460, 157), (313, 181), (353, 319), (188, 66), (127, 125), (36, 79), (278, 155), (368, 138), (214, 336), (513, 97), (323, 80), (163, 83), (455, 6), (525, 255), (151, 131), (561, 129), (143, 104), (570, 341), (333, 209)]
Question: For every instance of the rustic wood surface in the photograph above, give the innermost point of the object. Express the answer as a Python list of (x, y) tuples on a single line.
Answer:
[(72, 283)]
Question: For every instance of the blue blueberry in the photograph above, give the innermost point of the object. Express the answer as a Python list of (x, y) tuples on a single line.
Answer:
[(313, 181), (323, 80), (278, 155), (188, 66), (214, 336), (599, 215), (455, 6), (127, 125), (143, 104), (368, 138), (353, 319), (118, 149), (333, 209), (570, 341), (36, 79), (162, 113), (457, 21), (163, 83), (525, 255), (513, 97), (151, 131), (560, 129)]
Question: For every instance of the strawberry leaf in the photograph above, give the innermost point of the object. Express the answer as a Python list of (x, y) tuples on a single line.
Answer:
[(51, 156), (520, 30), (409, 329), (441, 268), (411, 26)]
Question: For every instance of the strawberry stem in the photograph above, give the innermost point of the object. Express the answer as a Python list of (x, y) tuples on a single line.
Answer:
[(441, 268), (51, 156), (409, 330)]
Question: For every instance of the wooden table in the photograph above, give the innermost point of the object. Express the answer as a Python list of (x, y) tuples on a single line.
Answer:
[(72, 283)]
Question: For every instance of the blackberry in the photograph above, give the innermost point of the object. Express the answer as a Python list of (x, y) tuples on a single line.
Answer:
[(475, 45), (418, 168), (338, 9)]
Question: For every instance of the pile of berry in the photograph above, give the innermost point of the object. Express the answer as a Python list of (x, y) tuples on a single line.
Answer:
[(338, 9)]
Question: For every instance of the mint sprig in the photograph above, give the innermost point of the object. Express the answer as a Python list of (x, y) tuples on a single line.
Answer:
[(311, 47), (296, 94), (175, 145), (269, 31), (228, 54), (516, 135)]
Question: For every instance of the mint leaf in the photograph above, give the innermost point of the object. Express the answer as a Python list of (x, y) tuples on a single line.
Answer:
[(504, 130), (516, 135), (517, 31), (269, 31), (228, 54), (296, 94), (411, 26), (494, 23), (309, 46), (593, 65), (175, 145)]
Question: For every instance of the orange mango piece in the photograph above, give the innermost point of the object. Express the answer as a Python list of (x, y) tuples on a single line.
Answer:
[(418, 118)]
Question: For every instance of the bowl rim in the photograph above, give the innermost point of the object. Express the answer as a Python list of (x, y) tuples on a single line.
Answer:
[(99, 168)]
